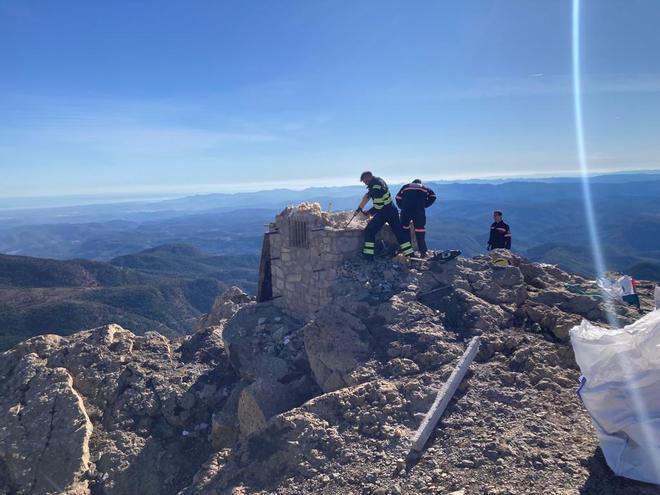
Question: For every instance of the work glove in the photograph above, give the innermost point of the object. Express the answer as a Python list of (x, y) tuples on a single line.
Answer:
[(358, 210)]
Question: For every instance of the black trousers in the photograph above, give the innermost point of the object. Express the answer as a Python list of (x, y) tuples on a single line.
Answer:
[(418, 217), (390, 215)]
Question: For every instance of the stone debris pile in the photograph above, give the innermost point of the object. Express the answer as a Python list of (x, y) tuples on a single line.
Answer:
[(379, 279), (333, 220), (305, 208)]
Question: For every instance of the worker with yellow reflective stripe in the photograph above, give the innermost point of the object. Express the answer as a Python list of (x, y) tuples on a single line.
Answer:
[(383, 211)]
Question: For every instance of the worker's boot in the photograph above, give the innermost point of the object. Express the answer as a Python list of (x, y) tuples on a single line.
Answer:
[(421, 241)]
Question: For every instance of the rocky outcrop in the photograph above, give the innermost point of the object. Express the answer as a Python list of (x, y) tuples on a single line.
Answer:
[(259, 401), (104, 411), (265, 398), (477, 295), (225, 307), (262, 341), (46, 430), (265, 348), (380, 352), (336, 343)]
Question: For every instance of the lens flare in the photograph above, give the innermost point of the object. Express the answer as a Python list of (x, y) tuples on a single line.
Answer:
[(639, 405), (582, 156)]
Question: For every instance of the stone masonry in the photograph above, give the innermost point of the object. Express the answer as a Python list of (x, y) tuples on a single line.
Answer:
[(307, 247)]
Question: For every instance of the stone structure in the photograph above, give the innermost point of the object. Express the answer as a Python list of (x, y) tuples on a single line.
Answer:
[(303, 251)]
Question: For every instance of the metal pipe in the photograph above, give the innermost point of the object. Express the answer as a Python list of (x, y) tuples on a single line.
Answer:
[(444, 396)]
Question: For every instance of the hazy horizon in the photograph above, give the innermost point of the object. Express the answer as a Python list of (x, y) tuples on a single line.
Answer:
[(107, 197)]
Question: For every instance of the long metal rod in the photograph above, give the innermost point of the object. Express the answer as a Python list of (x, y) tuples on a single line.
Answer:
[(444, 396), (352, 218)]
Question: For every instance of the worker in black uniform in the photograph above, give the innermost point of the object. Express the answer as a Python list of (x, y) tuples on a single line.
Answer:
[(413, 199), (382, 212), (500, 233)]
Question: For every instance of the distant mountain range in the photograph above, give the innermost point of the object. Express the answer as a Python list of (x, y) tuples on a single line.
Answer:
[(546, 216), (166, 289)]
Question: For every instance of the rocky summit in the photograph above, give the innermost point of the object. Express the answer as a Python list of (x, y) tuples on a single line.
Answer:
[(261, 401)]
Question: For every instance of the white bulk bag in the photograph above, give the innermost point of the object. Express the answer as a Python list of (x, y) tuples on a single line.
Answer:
[(621, 390)]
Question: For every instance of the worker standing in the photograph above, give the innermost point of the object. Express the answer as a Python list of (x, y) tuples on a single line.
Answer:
[(382, 212), (413, 199), (500, 233)]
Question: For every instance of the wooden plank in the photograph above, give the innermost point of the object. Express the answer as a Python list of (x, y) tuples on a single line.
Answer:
[(444, 396)]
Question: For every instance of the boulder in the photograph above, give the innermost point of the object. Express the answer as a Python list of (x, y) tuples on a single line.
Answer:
[(571, 303), (336, 344), (552, 319), (205, 346), (225, 426), (503, 285), (263, 341), (45, 431), (465, 311), (225, 306), (255, 402), (265, 398)]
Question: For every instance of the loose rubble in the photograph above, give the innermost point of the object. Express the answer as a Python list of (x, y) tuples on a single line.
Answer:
[(260, 401), (336, 220)]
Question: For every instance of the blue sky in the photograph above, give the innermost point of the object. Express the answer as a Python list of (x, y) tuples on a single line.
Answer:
[(136, 97)]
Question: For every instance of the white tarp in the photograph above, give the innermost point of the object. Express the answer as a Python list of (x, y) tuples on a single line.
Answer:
[(621, 390)]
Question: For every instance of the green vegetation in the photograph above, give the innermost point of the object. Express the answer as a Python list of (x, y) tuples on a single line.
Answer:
[(165, 288)]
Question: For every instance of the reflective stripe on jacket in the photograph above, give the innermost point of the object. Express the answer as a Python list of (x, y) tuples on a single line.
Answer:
[(415, 196), (379, 193)]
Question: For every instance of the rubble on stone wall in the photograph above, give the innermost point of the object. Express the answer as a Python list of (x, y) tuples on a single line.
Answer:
[(332, 220), (378, 279), (308, 208)]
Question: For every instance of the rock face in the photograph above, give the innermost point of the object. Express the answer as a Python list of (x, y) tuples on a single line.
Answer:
[(336, 343), (265, 348), (105, 411), (46, 426), (260, 401), (225, 307)]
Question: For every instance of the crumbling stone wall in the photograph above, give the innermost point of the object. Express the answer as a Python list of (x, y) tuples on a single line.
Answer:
[(306, 248)]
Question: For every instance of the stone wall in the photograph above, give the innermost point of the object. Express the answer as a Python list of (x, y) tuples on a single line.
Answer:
[(307, 247)]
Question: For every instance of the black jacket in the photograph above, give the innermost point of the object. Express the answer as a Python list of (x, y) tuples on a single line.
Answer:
[(500, 236), (415, 196), (380, 195)]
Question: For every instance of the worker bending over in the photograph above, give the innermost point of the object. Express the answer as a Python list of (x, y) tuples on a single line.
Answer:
[(382, 212), (413, 199)]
